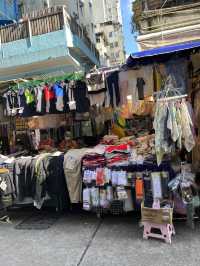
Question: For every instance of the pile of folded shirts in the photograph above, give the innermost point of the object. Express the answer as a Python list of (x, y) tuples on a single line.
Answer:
[(117, 154), (94, 160), (146, 145), (110, 139)]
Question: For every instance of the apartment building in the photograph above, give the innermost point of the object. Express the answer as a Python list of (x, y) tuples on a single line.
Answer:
[(161, 22), (49, 38), (102, 45), (80, 10), (108, 29)]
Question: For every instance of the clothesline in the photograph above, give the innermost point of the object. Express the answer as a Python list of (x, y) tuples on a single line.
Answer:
[(33, 83), (172, 98)]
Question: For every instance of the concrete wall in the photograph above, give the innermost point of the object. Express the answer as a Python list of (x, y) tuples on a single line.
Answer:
[(54, 51), (169, 20), (107, 10), (100, 13), (39, 48), (115, 43), (85, 52), (175, 25)]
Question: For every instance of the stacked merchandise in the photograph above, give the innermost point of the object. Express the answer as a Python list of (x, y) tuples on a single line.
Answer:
[(106, 187), (110, 139), (94, 160), (130, 150), (143, 150), (117, 155), (116, 177)]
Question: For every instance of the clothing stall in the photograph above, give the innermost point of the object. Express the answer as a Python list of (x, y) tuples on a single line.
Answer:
[(114, 140)]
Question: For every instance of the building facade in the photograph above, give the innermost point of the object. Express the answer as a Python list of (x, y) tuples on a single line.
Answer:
[(51, 36), (80, 10), (45, 41), (108, 23), (160, 22)]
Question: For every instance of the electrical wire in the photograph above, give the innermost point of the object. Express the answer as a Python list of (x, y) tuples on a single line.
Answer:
[(164, 4)]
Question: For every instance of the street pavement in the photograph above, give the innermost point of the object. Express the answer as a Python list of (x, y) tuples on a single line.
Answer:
[(81, 239)]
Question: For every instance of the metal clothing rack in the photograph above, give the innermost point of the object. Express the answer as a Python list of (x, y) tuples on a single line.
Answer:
[(172, 98), (169, 94), (105, 70)]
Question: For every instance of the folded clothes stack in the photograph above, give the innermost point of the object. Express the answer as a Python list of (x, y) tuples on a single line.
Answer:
[(146, 145), (94, 160), (117, 154), (131, 141), (110, 139), (144, 149)]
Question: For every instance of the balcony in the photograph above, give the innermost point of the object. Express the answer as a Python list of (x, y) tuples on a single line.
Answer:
[(157, 4), (45, 41)]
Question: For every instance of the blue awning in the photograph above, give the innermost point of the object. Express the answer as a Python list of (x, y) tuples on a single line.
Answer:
[(166, 49), (4, 22)]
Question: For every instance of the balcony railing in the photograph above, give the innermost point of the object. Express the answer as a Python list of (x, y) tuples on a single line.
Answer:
[(157, 4), (42, 22), (46, 21)]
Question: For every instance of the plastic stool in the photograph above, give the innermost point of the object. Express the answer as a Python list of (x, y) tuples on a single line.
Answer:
[(166, 231)]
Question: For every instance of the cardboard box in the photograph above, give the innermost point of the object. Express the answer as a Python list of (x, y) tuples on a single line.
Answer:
[(158, 216)]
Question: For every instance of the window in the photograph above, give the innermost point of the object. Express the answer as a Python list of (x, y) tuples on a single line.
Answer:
[(90, 4), (112, 55), (111, 45), (92, 27), (117, 55), (110, 34), (98, 40), (116, 44), (81, 5)]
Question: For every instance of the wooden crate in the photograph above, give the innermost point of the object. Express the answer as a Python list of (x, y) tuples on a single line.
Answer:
[(157, 216)]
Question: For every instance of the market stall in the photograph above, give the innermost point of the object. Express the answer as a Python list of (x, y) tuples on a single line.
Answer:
[(113, 140)]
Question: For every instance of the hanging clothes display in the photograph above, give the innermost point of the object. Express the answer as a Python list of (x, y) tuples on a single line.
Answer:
[(34, 178), (112, 85), (137, 83), (47, 98), (172, 122)]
